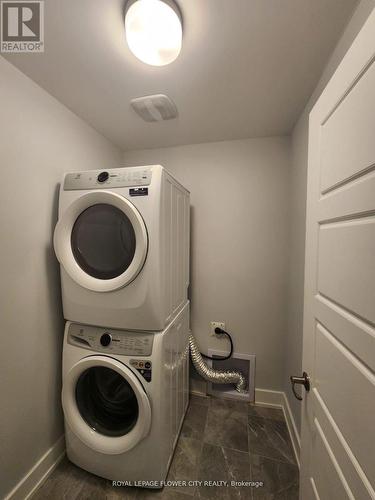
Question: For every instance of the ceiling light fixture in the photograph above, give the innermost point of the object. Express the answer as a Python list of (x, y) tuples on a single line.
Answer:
[(153, 30)]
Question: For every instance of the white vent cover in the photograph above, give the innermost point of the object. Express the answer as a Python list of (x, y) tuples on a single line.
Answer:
[(154, 108), (245, 363)]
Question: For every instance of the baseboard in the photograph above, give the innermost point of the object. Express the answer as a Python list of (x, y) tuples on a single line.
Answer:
[(39, 472), (266, 397)]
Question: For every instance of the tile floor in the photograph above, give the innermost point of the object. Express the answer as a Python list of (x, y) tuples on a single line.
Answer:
[(221, 440)]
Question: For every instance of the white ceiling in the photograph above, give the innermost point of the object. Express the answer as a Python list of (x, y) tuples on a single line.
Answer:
[(246, 69)]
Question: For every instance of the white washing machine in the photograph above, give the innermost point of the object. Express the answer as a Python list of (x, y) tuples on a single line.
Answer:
[(122, 240), (124, 398)]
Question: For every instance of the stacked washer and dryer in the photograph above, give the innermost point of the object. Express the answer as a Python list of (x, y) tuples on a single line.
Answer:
[(122, 240)]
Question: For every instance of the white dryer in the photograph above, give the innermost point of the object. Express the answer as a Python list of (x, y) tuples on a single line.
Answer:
[(122, 240), (124, 398)]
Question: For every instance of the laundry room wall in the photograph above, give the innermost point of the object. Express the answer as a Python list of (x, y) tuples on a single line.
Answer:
[(299, 138), (239, 242), (39, 140)]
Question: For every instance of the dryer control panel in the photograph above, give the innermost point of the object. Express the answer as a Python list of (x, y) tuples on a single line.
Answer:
[(104, 179), (110, 341)]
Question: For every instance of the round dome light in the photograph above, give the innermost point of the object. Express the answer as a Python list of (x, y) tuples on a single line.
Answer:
[(153, 31)]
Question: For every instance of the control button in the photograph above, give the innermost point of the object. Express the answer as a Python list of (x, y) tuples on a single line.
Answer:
[(105, 339), (147, 365), (103, 176)]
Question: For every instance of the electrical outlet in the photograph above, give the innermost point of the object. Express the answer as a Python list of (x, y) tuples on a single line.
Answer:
[(216, 324)]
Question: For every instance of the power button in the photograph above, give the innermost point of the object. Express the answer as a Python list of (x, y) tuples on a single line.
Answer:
[(105, 339), (103, 176)]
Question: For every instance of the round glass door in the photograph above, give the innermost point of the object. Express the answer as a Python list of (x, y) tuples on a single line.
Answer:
[(106, 401), (103, 241), (105, 404)]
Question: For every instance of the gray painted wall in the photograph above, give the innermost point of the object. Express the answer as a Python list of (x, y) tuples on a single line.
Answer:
[(293, 364), (239, 199), (39, 140)]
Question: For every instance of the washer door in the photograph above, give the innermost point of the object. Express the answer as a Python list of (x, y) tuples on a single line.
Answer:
[(105, 405), (101, 241)]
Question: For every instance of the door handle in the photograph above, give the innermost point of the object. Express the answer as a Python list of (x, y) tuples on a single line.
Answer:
[(304, 380)]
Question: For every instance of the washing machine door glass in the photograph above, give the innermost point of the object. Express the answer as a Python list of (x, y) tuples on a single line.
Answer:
[(105, 404), (103, 241), (106, 401)]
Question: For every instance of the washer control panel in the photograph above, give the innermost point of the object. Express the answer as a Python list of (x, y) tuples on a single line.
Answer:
[(110, 341), (104, 179)]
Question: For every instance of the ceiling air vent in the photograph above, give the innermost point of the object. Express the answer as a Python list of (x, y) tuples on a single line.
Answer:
[(154, 108)]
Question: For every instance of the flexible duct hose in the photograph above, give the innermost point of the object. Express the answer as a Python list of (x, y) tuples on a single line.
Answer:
[(214, 376)]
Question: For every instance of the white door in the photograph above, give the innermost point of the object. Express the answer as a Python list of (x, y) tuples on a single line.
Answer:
[(338, 427)]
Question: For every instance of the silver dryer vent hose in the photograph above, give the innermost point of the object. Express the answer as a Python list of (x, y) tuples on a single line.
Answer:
[(214, 376)]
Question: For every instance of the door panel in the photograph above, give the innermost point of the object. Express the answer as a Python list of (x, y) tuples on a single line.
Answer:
[(348, 145), (349, 397), (354, 198), (346, 270), (338, 430), (349, 465), (357, 335), (328, 476)]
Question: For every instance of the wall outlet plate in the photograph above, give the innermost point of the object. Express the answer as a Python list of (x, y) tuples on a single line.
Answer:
[(216, 324)]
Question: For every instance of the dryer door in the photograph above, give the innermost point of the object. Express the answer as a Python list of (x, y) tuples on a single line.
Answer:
[(101, 241), (105, 405)]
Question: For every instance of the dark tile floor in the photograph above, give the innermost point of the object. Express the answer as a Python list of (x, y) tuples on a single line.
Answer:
[(221, 440)]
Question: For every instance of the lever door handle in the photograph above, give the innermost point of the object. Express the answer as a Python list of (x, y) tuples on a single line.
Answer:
[(304, 380)]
